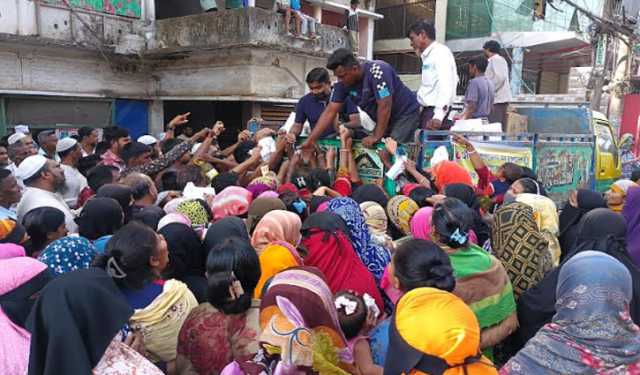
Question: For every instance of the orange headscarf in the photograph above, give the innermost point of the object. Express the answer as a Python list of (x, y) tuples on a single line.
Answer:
[(437, 323), (449, 172), (274, 259), (277, 225)]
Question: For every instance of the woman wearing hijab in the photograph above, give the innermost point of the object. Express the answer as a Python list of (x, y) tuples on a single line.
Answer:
[(376, 218), (12, 232), (121, 193), (577, 206), (150, 216), (187, 258), (44, 225), (600, 230), (230, 226), (261, 207), (617, 194), (631, 213), (300, 329), (519, 245), (76, 330), (545, 214), (198, 212), (136, 257), (326, 240), (225, 327), (374, 256), (434, 332), (449, 172), (421, 224), (370, 193), (591, 331), (481, 280), (467, 195), (277, 227), (99, 219), (400, 210), (21, 279), (68, 254)]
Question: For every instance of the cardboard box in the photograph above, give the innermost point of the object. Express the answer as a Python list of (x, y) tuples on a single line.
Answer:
[(516, 123)]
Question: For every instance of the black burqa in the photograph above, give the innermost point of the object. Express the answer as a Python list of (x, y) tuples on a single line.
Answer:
[(601, 230), (100, 217), (570, 217), (467, 195), (230, 226), (74, 321), (150, 216), (122, 193), (17, 303), (187, 258)]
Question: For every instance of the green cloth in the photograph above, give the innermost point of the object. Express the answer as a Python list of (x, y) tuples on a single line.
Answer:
[(467, 262)]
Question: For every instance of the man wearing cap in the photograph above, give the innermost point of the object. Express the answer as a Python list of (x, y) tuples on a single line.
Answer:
[(20, 146), (88, 138), (48, 139), (43, 179), (153, 143), (9, 195), (70, 152)]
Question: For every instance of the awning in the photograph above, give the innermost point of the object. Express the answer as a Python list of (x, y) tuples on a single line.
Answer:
[(330, 5)]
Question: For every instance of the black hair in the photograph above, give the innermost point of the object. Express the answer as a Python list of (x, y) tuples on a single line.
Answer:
[(39, 222), (4, 173), (224, 180), (233, 259), (355, 2), (169, 181), (320, 75), (84, 132), (530, 185), (512, 172), (319, 177), (492, 46), (102, 147), (295, 204), (351, 324), (423, 26), (635, 175), (452, 220), (241, 153), (191, 173), (36, 176), (134, 149), (100, 176), (63, 154), (139, 184), (85, 164), (420, 195), (420, 263), (130, 248), (112, 134), (169, 144), (342, 57), (528, 172), (479, 62)]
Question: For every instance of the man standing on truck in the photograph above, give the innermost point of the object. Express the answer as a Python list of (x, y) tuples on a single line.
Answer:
[(478, 100), (498, 73), (375, 87)]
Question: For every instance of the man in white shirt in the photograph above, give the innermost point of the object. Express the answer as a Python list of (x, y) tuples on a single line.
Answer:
[(20, 146), (48, 139), (498, 73), (43, 179), (70, 152), (439, 76), (88, 138)]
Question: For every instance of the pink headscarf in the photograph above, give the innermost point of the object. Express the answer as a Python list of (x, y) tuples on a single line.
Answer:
[(232, 201), (277, 225), (15, 340), (269, 194), (172, 205), (10, 250), (421, 223), (174, 217)]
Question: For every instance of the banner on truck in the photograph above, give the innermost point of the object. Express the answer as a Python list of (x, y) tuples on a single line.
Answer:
[(494, 155), (563, 168)]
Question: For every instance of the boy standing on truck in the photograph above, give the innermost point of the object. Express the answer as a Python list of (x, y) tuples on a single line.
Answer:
[(478, 100)]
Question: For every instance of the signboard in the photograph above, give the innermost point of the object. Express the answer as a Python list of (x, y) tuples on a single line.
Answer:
[(562, 168), (126, 8), (494, 155)]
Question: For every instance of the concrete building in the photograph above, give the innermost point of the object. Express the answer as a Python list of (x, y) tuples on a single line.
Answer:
[(137, 63)]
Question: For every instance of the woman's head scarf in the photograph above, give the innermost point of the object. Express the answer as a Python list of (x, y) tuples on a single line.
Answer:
[(197, 211), (273, 260), (100, 217), (421, 224), (400, 210), (150, 216), (631, 213), (434, 332), (376, 218), (370, 193), (232, 201), (591, 331), (621, 187), (11, 250), (68, 254), (449, 172), (519, 245), (121, 193), (570, 216), (12, 232), (545, 214), (74, 321), (21, 280), (374, 256), (270, 180), (261, 207), (276, 226), (173, 218), (230, 226), (187, 256)]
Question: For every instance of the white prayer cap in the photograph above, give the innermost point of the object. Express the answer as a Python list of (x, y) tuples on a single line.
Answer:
[(65, 144), (30, 166), (148, 140), (16, 137)]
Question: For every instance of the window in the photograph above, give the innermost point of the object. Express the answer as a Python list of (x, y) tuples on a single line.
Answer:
[(399, 15), (605, 140)]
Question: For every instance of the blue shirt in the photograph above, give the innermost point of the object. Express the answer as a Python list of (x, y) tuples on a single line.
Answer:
[(295, 4), (310, 107), (8, 214), (378, 82)]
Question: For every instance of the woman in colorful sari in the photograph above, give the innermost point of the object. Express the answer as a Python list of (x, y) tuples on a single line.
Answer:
[(481, 280), (21, 280), (591, 331), (545, 214), (300, 329), (226, 327), (434, 332), (136, 257), (374, 256), (277, 227), (326, 241), (519, 245), (76, 328)]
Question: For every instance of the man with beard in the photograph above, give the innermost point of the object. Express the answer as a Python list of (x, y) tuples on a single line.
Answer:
[(44, 179), (70, 152), (88, 138), (311, 106), (117, 138), (20, 146)]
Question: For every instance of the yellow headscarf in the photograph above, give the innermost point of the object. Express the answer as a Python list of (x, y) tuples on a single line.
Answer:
[(621, 187), (437, 323), (274, 258), (400, 210), (545, 215)]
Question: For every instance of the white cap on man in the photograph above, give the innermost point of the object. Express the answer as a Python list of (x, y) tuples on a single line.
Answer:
[(16, 137), (65, 144), (147, 140), (30, 166)]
